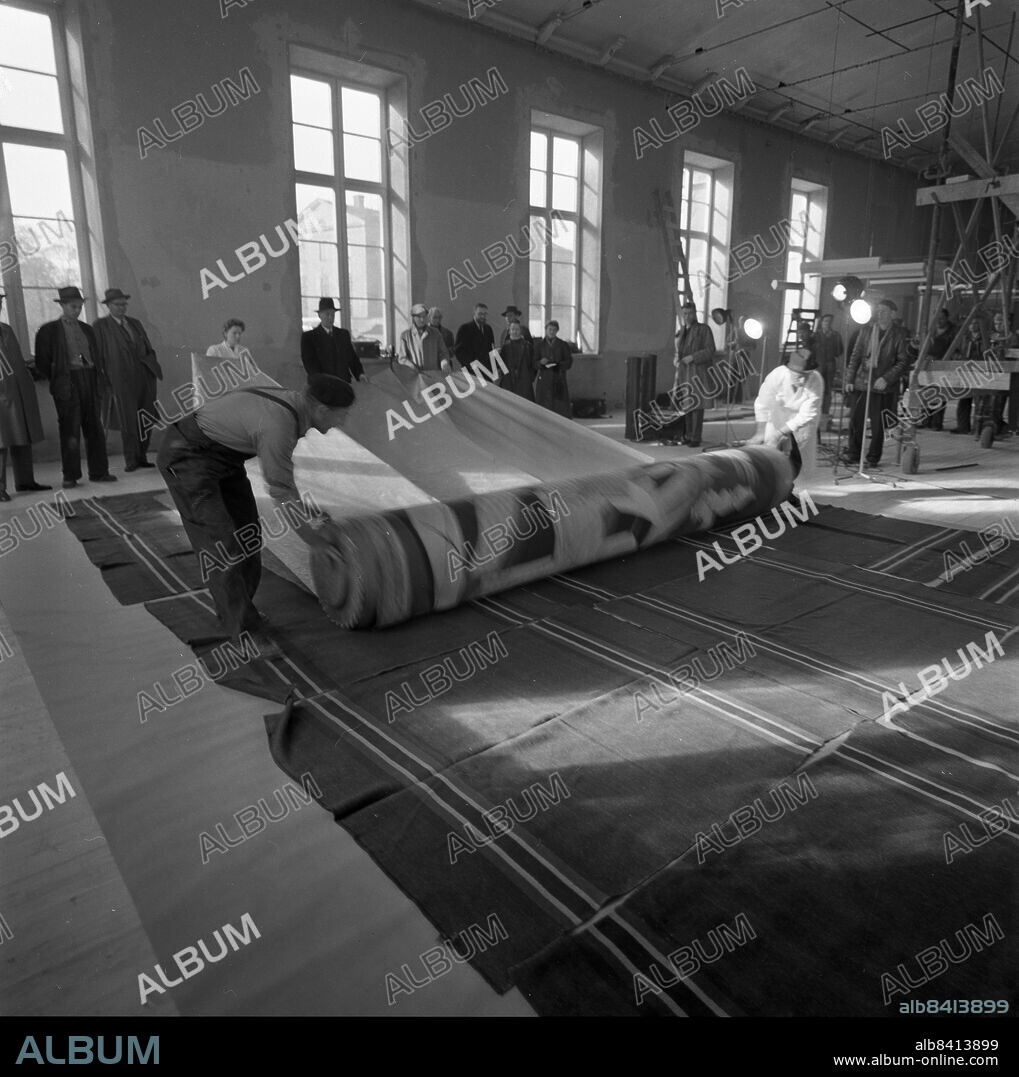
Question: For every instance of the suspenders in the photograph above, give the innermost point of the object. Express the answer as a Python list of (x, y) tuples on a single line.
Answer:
[(282, 404)]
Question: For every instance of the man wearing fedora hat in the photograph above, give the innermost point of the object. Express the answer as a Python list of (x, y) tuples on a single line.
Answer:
[(201, 458), (513, 315), (132, 370), (327, 349), (67, 352), (20, 423)]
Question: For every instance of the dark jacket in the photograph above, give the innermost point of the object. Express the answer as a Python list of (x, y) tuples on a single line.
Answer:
[(20, 423), (53, 362), (550, 388), (518, 355), (471, 343), (892, 361), (118, 350), (697, 342), (325, 353)]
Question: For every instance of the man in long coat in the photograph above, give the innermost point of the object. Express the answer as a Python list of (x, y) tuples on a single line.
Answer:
[(132, 370), (328, 349), (20, 424), (695, 352)]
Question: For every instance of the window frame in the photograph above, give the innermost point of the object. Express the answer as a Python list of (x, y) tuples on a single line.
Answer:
[(586, 219), (808, 295), (341, 186), (14, 308), (720, 173)]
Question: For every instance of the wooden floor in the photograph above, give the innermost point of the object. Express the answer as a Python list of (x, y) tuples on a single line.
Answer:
[(108, 883)]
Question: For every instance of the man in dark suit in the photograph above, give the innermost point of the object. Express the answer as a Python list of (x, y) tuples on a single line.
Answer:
[(879, 360), (328, 350), (695, 352), (20, 424), (132, 370), (67, 352), (475, 339)]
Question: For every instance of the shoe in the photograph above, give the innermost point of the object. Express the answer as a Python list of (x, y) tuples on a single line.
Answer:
[(145, 463), (69, 484), (131, 467), (872, 467), (104, 478), (692, 444), (4, 495), (32, 486), (957, 431)]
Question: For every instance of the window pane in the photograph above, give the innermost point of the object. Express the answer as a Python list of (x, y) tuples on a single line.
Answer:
[(362, 112), (564, 285), (320, 271), (368, 319), (313, 150), (564, 241), (566, 157), (698, 217), (364, 221), (39, 309), (537, 188), (47, 252), (799, 203), (564, 193), (30, 100), (365, 266), (700, 188), (539, 150), (309, 311), (362, 158), (722, 198), (26, 40), (793, 265), (318, 204), (312, 102), (567, 319), (536, 288), (38, 181)]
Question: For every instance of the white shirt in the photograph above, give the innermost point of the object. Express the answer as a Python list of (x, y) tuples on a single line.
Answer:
[(792, 401)]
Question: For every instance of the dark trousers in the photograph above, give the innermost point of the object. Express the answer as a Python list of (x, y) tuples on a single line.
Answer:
[(963, 414), (21, 465), (693, 424), (132, 398), (879, 404), (827, 371), (78, 414), (214, 498)]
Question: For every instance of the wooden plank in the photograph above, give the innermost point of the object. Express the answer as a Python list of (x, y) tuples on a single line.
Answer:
[(972, 156), (962, 192)]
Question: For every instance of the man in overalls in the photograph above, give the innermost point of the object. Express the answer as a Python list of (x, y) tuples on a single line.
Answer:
[(202, 460)]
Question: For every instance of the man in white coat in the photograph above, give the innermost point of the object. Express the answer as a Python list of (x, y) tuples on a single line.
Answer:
[(789, 403)]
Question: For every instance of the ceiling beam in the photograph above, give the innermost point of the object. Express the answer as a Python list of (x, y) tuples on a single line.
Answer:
[(967, 190)]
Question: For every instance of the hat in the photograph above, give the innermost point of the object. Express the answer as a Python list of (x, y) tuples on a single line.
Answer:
[(689, 304), (112, 294), (511, 310), (419, 308), (65, 295), (329, 390), (889, 304), (326, 304)]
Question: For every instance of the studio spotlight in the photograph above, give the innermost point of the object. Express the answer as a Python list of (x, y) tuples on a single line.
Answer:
[(847, 288), (753, 328), (861, 311)]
